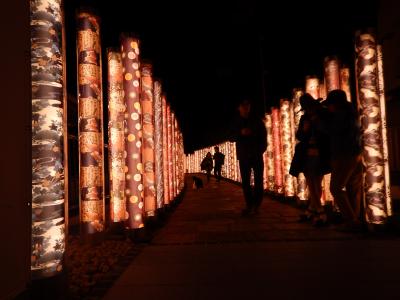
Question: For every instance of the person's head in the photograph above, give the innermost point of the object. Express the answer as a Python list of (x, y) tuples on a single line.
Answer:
[(336, 100), (216, 149), (307, 102), (244, 108), (208, 154)]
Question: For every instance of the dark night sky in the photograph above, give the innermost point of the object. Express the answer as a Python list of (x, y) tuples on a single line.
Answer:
[(207, 53)]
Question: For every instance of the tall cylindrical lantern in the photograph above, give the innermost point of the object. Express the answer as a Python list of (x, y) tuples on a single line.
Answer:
[(165, 150), (286, 142), (371, 120), (173, 147), (170, 155), (345, 82), (332, 73), (116, 139), (297, 112), (148, 156), (322, 90), (90, 126), (158, 143), (276, 138), (133, 132), (48, 136), (312, 86), (385, 152), (270, 155)]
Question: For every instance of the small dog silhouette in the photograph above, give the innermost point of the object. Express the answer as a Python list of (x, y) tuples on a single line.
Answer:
[(197, 183)]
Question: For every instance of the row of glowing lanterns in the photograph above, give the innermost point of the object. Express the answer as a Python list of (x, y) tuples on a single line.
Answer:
[(283, 121), (145, 144)]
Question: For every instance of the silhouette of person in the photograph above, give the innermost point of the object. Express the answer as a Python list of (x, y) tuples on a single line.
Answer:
[(312, 158), (207, 165), (219, 158), (250, 135), (343, 127)]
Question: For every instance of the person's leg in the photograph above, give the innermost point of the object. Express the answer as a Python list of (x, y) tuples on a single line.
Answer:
[(258, 167), (315, 191), (245, 172), (341, 171)]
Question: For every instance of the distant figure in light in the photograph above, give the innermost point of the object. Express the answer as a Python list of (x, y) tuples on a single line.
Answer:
[(250, 135), (207, 165), (219, 158)]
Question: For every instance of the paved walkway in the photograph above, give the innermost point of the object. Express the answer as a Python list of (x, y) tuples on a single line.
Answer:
[(208, 251)]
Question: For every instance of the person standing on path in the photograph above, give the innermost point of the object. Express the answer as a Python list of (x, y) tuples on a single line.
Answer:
[(250, 135)]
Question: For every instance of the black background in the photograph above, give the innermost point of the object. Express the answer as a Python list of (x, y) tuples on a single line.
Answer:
[(209, 54)]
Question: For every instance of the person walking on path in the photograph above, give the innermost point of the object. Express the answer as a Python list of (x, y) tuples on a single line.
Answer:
[(219, 158), (250, 135), (207, 165)]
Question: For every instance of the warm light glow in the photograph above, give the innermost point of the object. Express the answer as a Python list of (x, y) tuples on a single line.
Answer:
[(170, 155), (165, 150), (48, 197), (345, 82), (116, 140), (148, 156), (90, 124), (133, 132), (277, 150), (382, 102), (369, 101), (158, 144), (269, 155), (286, 142), (332, 74), (297, 112)]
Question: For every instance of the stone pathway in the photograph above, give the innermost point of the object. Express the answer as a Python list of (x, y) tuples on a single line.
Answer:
[(208, 251)]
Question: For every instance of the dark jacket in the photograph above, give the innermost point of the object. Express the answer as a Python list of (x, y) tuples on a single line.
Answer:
[(344, 130), (253, 145), (312, 139)]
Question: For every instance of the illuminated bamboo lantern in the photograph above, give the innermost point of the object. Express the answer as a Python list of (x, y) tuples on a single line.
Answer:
[(312, 86), (292, 142), (165, 150), (371, 119), (297, 112), (322, 90), (332, 73), (270, 155), (90, 111), (173, 144), (382, 102), (148, 156), (276, 138), (116, 138), (133, 132), (170, 155), (286, 144), (49, 195), (158, 144), (345, 82)]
